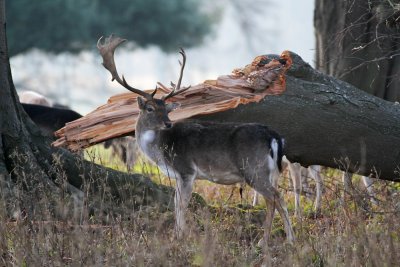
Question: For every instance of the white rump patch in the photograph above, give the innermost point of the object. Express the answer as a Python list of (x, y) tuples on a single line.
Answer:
[(273, 162), (274, 148)]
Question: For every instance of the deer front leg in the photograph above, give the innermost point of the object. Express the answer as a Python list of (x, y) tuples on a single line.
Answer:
[(183, 193)]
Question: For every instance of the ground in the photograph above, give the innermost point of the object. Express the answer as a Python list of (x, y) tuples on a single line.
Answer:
[(224, 233)]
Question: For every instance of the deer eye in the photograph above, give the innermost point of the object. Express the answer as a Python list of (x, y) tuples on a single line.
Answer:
[(150, 109)]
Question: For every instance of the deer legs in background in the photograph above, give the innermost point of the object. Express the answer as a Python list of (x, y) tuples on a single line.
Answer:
[(125, 149), (348, 187), (295, 173), (296, 177)]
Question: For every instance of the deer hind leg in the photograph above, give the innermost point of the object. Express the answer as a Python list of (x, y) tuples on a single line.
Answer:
[(183, 192), (369, 185), (314, 171), (280, 205), (268, 220), (295, 174), (274, 179), (347, 185), (273, 201)]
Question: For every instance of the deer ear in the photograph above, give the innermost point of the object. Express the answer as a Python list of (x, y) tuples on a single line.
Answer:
[(172, 106), (141, 102)]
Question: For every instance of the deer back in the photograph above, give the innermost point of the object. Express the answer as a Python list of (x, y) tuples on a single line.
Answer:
[(212, 149)]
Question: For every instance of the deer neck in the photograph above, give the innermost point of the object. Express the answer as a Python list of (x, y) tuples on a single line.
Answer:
[(148, 139)]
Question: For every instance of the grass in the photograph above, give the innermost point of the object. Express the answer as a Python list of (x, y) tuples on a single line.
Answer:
[(350, 233)]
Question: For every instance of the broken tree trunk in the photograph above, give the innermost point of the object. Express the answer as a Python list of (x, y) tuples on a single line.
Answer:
[(324, 121), (328, 122)]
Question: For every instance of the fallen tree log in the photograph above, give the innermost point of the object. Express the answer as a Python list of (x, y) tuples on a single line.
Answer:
[(325, 121), (328, 122)]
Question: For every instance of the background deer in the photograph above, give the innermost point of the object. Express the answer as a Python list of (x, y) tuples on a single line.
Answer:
[(125, 149), (224, 153), (49, 119), (44, 114), (298, 178), (31, 97), (295, 173)]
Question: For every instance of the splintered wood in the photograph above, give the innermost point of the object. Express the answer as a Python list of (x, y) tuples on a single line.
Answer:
[(264, 76)]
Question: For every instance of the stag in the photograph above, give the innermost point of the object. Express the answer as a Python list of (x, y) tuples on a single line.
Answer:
[(224, 153)]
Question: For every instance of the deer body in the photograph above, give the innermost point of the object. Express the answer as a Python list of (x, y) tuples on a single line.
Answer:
[(218, 152), (224, 153)]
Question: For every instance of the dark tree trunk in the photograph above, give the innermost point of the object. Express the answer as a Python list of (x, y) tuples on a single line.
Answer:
[(329, 122), (358, 41), (33, 174)]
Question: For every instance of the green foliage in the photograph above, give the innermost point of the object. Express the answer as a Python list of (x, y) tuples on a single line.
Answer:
[(73, 25)]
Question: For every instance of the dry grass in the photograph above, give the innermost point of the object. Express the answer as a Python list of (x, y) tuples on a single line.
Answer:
[(350, 233)]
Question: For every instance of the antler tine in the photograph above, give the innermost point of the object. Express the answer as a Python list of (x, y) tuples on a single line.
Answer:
[(154, 92), (107, 50), (176, 87), (183, 63)]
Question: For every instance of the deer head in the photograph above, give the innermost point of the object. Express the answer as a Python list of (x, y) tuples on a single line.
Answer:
[(153, 111)]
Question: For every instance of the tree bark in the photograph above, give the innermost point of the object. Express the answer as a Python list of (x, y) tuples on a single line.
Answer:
[(358, 41), (328, 122), (34, 176)]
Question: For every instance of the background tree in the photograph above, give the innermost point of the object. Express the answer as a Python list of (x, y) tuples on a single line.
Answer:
[(358, 41), (34, 176), (58, 25)]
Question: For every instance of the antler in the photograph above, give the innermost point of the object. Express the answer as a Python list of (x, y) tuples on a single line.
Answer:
[(176, 88), (107, 53)]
